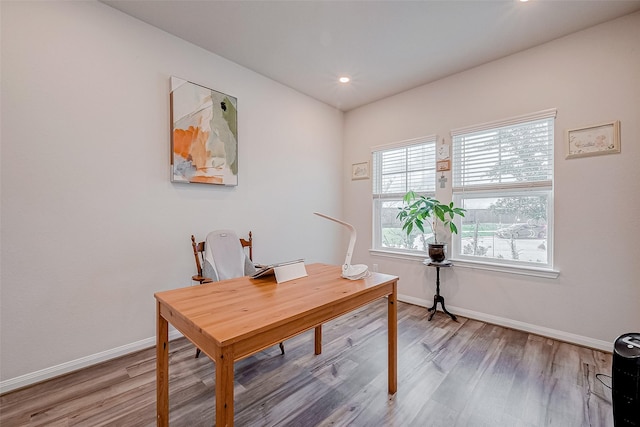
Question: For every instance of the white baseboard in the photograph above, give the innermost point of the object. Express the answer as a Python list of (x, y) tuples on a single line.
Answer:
[(83, 362), (515, 324)]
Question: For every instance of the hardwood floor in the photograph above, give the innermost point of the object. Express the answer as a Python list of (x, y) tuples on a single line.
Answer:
[(464, 373)]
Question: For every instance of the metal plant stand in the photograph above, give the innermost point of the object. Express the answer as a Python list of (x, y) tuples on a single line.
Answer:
[(437, 298)]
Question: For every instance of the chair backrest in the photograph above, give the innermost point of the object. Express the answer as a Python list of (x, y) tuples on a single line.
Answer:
[(199, 250)]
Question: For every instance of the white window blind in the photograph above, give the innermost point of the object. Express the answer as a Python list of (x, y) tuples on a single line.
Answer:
[(398, 168), (514, 153)]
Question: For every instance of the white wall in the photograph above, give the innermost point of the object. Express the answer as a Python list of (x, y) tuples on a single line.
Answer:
[(91, 224), (591, 77)]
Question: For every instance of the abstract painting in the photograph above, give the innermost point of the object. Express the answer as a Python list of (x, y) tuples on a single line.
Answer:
[(204, 135)]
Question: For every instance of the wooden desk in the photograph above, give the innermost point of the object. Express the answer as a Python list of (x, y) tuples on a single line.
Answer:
[(235, 318)]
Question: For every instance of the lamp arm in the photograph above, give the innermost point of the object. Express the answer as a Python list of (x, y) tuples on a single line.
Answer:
[(351, 272), (352, 239)]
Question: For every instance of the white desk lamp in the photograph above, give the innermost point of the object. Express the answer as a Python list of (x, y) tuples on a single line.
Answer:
[(351, 272)]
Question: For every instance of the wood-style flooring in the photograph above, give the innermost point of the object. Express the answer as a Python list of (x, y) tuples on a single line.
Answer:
[(465, 373)]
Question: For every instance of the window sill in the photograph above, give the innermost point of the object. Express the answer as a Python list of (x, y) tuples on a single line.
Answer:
[(546, 273), (399, 255), (487, 266)]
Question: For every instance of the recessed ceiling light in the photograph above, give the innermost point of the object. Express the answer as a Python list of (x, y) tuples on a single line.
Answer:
[(344, 79)]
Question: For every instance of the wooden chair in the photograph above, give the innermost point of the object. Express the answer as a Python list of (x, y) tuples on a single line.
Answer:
[(199, 254)]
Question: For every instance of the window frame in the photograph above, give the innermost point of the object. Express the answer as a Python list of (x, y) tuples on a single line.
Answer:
[(379, 197), (511, 189)]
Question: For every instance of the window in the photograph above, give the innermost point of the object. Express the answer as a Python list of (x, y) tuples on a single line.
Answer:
[(503, 177), (398, 168)]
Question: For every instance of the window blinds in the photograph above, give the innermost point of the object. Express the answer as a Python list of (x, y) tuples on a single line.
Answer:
[(398, 168), (515, 153)]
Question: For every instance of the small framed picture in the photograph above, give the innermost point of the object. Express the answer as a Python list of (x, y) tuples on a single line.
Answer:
[(443, 165), (360, 170), (594, 140)]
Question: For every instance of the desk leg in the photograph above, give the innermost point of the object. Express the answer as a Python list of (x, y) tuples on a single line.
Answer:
[(162, 370), (224, 388), (393, 340), (318, 340)]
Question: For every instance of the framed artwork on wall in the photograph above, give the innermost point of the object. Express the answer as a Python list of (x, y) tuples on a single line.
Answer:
[(594, 140), (443, 165), (360, 170), (204, 135)]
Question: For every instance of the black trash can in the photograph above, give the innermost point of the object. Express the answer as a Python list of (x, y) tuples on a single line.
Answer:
[(625, 382)]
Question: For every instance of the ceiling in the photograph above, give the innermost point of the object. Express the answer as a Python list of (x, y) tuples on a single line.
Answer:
[(386, 47)]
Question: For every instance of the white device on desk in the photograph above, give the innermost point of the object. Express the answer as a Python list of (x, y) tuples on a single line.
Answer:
[(351, 272)]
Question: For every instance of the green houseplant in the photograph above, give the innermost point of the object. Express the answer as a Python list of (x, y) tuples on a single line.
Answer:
[(420, 209)]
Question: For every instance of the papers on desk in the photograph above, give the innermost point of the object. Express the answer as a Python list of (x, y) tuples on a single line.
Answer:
[(283, 271)]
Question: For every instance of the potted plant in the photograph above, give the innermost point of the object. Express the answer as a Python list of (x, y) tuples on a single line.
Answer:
[(420, 209)]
